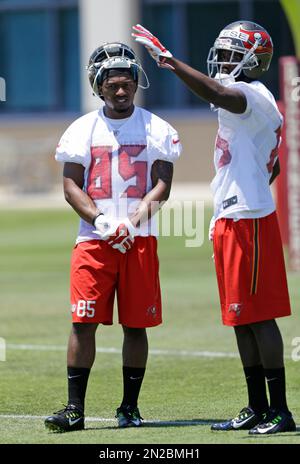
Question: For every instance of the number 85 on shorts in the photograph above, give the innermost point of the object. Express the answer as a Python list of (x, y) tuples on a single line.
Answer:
[(84, 308)]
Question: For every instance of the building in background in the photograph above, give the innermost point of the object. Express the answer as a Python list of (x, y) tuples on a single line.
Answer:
[(45, 45)]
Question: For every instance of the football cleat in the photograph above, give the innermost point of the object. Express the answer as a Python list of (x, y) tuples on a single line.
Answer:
[(245, 420), (128, 416), (66, 420), (275, 422)]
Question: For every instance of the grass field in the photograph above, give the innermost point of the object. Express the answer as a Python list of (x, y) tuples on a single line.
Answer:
[(184, 388)]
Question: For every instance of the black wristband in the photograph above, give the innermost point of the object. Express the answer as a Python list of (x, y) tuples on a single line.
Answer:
[(99, 214)]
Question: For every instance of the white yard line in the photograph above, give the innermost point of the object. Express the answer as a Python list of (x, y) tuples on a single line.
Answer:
[(30, 417), (104, 419), (175, 353), (112, 350)]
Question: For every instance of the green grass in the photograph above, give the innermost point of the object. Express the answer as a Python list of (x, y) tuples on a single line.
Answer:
[(181, 394)]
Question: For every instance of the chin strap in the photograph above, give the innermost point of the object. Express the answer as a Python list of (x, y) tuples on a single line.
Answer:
[(147, 83), (114, 63), (236, 71)]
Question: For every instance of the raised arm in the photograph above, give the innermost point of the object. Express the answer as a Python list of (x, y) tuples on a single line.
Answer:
[(208, 89)]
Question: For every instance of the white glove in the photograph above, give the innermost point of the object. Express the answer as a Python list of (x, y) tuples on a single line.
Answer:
[(211, 229), (123, 238), (118, 232), (105, 226), (157, 51)]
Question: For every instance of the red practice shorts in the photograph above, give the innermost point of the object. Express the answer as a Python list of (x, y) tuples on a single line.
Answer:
[(98, 272), (250, 270)]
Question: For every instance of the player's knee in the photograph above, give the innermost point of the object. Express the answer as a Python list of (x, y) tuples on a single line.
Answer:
[(84, 330), (242, 330), (262, 326), (134, 333)]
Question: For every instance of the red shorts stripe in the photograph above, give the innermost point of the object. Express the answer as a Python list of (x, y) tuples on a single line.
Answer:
[(255, 266), (250, 270), (98, 272)]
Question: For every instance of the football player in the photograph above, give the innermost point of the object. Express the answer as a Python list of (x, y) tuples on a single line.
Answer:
[(247, 245), (118, 167)]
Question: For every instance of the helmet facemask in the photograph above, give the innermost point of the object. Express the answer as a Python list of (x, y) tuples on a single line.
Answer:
[(114, 56), (238, 58)]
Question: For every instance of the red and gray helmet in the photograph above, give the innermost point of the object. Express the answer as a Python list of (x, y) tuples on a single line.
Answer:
[(248, 39), (114, 55)]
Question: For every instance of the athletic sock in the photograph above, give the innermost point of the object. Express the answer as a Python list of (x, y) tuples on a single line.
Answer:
[(256, 385), (132, 381), (77, 384), (276, 384)]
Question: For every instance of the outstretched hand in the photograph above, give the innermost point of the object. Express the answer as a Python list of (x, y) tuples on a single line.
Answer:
[(155, 48)]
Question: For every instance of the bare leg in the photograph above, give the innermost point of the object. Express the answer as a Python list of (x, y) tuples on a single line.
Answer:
[(82, 345), (135, 347), (269, 342), (247, 345)]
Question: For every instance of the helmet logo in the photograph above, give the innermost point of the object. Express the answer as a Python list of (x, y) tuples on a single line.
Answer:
[(234, 34), (251, 41), (258, 37)]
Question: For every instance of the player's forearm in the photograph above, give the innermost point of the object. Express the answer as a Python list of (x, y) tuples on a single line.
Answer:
[(205, 87), (80, 202), (161, 176), (151, 203), (209, 89)]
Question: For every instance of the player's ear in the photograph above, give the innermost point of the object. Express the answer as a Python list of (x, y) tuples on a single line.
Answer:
[(100, 91)]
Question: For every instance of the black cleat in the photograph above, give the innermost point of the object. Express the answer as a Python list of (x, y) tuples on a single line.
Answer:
[(66, 420), (128, 416), (245, 420), (275, 422)]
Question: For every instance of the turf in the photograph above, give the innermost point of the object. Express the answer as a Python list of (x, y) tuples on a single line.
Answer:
[(182, 393)]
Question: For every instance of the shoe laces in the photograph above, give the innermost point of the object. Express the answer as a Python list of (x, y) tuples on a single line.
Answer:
[(272, 417), (129, 412), (244, 413), (136, 414), (274, 421), (69, 410)]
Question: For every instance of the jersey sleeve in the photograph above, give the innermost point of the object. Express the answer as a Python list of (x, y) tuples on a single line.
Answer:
[(165, 143), (250, 95), (259, 99), (74, 145)]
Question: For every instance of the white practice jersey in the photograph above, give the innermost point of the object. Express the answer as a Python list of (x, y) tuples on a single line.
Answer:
[(246, 149), (118, 162)]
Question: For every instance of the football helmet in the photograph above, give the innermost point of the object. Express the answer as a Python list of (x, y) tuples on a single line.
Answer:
[(250, 50), (115, 55)]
